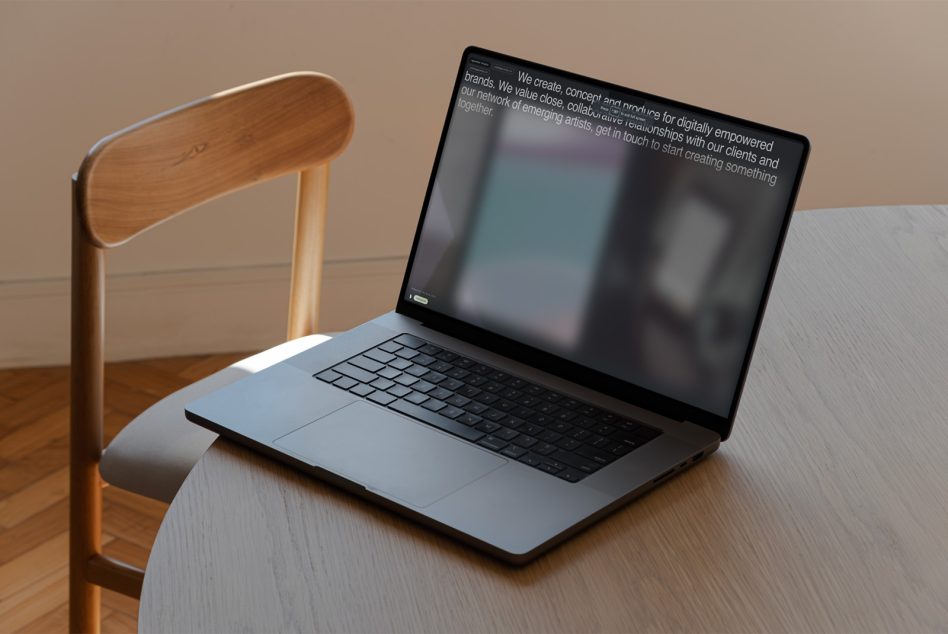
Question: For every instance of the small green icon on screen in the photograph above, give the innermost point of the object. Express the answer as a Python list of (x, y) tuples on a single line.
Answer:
[(420, 299)]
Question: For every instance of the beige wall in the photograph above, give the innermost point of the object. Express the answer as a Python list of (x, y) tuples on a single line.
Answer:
[(868, 83)]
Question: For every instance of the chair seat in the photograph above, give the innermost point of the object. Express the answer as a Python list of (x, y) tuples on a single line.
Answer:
[(154, 453)]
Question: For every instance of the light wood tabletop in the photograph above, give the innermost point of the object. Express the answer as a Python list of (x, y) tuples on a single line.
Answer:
[(827, 510)]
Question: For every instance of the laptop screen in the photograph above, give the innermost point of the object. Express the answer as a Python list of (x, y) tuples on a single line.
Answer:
[(621, 232)]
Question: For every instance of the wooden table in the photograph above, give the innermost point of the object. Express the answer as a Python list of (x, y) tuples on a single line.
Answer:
[(827, 509)]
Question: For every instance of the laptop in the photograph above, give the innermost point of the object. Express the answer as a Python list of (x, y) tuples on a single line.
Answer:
[(576, 320)]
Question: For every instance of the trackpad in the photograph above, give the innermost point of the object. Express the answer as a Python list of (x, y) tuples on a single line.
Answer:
[(387, 453)]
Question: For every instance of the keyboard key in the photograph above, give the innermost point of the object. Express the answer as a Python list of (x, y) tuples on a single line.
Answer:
[(560, 427), (548, 468), (533, 430), (440, 393), (512, 451), (423, 359), (488, 427), (569, 403), (447, 356), (328, 376), (648, 433), (627, 439), (515, 383), (505, 405), (481, 369), (406, 379), (547, 408), (571, 475), (525, 441), (499, 376), (522, 412), (583, 464), (423, 386), (436, 420), (417, 370), (534, 390), (380, 355), (390, 346), (530, 459), (584, 422), (513, 422), (451, 384), (493, 387), (434, 377), (542, 419), (416, 397), (362, 389), (476, 408), (407, 353), (458, 401), (553, 463), (388, 373), (355, 373), (589, 410), (469, 419), (345, 382), (410, 340), (568, 444), (399, 390), (550, 436), (544, 448), (596, 455), (382, 383), (505, 433), (381, 398), (440, 366), (494, 415), (434, 404), (492, 443), (451, 411), (366, 364), (604, 430), (598, 441), (429, 348), (400, 364), (566, 415), (475, 380), (486, 398), (511, 394), (463, 362), (457, 373), (469, 391), (552, 397), (580, 434)]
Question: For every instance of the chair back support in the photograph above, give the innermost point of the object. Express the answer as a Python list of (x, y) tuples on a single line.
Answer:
[(145, 174)]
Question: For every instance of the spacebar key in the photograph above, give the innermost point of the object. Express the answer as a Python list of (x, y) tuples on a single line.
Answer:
[(437, 420)]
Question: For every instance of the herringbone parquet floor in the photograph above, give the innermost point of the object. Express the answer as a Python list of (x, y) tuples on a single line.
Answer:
[(34, 443)]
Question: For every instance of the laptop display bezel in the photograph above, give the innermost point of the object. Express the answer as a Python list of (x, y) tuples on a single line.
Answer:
[(577, 373)]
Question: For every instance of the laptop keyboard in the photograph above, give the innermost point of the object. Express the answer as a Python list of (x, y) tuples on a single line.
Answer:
[(541, 428)]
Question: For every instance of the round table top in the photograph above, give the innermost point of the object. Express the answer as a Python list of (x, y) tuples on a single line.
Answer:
[(827, 509)]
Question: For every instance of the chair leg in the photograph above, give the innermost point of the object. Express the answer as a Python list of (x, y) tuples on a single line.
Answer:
[(85, 425)]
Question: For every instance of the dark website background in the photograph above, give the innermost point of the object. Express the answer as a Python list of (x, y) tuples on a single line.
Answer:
[(644, 266)]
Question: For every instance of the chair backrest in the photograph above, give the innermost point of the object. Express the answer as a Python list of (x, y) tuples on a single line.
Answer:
[(142, 175), (145, 174)]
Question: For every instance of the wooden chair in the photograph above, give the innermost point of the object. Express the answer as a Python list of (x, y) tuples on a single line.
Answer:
[(133, 180)]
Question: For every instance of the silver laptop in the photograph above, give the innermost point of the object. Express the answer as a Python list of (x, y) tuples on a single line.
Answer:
[(575, 323)]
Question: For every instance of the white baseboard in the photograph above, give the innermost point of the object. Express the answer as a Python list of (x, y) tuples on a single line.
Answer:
[(189, 312)]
